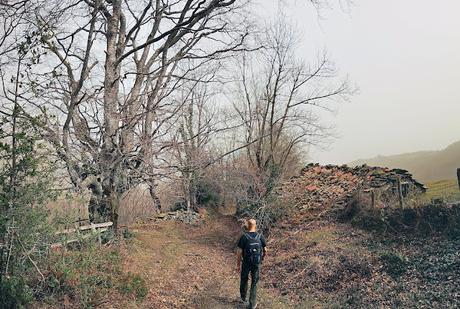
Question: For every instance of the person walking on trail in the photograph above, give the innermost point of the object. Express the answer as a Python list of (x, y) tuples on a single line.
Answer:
[(251, 251)]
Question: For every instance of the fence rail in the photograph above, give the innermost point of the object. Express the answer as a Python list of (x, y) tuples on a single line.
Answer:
[(82, 232)]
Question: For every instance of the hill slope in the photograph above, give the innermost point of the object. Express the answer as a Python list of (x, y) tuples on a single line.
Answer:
[(426, 166)]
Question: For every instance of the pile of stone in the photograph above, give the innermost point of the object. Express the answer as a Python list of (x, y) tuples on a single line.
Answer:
[(189, 217), (378, 177), (322, 186)]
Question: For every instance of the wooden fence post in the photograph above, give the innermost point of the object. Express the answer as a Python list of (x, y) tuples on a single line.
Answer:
[(373, 198), (400, 196), (458, 177)]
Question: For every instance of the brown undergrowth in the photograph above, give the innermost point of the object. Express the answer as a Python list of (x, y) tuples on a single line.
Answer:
[(315, 261)]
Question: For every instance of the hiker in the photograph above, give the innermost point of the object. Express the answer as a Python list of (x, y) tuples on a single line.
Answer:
[(251, 251)]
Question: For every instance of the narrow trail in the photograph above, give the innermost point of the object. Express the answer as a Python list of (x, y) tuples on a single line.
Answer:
[(190, 266)]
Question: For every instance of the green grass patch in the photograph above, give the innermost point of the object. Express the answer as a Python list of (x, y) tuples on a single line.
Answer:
[(134, 285), (444, 189), (85, 276)]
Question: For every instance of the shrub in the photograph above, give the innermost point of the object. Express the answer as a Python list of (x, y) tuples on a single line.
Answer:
[(370, 221), (208, 193), (267, 211), (14, 293), (128, 234), (179, 205), (410, 217), (85, 274), (394, 264), (436, 217), (25, 188)]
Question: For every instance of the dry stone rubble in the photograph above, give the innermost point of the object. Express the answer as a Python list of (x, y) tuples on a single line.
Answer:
[(320, 186)]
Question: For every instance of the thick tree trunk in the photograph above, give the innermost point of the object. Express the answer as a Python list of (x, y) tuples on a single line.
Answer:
[(111, 81), (192, 193), (110, 202), (115, 35), (114, 203), (154, 196)]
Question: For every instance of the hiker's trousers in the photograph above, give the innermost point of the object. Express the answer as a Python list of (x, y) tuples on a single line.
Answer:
[(247, 269)]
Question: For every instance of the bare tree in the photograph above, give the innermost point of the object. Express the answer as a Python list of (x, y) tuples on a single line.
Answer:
[(197, 123), (12, 17), (104, 76), (278, 100)]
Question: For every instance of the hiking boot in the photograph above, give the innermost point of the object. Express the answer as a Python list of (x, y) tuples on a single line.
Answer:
[(253, 307)]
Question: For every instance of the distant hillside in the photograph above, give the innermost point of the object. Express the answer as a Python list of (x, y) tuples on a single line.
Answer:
[(424, 165)]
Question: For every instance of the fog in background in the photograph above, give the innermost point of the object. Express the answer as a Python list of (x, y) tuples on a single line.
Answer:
[(405, 58)]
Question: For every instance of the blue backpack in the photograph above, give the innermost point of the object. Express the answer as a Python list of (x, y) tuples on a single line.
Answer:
[(253, 250)]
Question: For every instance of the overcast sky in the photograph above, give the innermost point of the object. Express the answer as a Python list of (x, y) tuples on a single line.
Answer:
[(405, 57)]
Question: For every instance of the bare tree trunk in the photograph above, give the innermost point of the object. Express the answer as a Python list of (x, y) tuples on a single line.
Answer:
[(154, 196), (115, 45), (114, 202), (192, 191)]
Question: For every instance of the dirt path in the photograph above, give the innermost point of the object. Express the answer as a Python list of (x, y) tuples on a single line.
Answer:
[(189, 266)]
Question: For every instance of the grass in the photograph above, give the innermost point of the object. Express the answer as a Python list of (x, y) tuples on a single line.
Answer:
[(86, 275), (276, 302), (134, 285), (321, 236), (168, 237), (89, 275), (444, 189)]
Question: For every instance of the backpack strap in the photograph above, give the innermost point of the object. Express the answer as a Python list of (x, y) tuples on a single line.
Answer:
[(257, 237)]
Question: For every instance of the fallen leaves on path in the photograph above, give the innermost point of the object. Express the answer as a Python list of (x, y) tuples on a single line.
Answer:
[(187, 266)]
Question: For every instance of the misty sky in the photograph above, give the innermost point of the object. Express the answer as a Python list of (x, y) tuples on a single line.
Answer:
[(404, 55)]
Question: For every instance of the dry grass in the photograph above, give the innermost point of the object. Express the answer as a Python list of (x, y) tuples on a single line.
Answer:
[(445, 189), (69, 209), (136, 204)]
